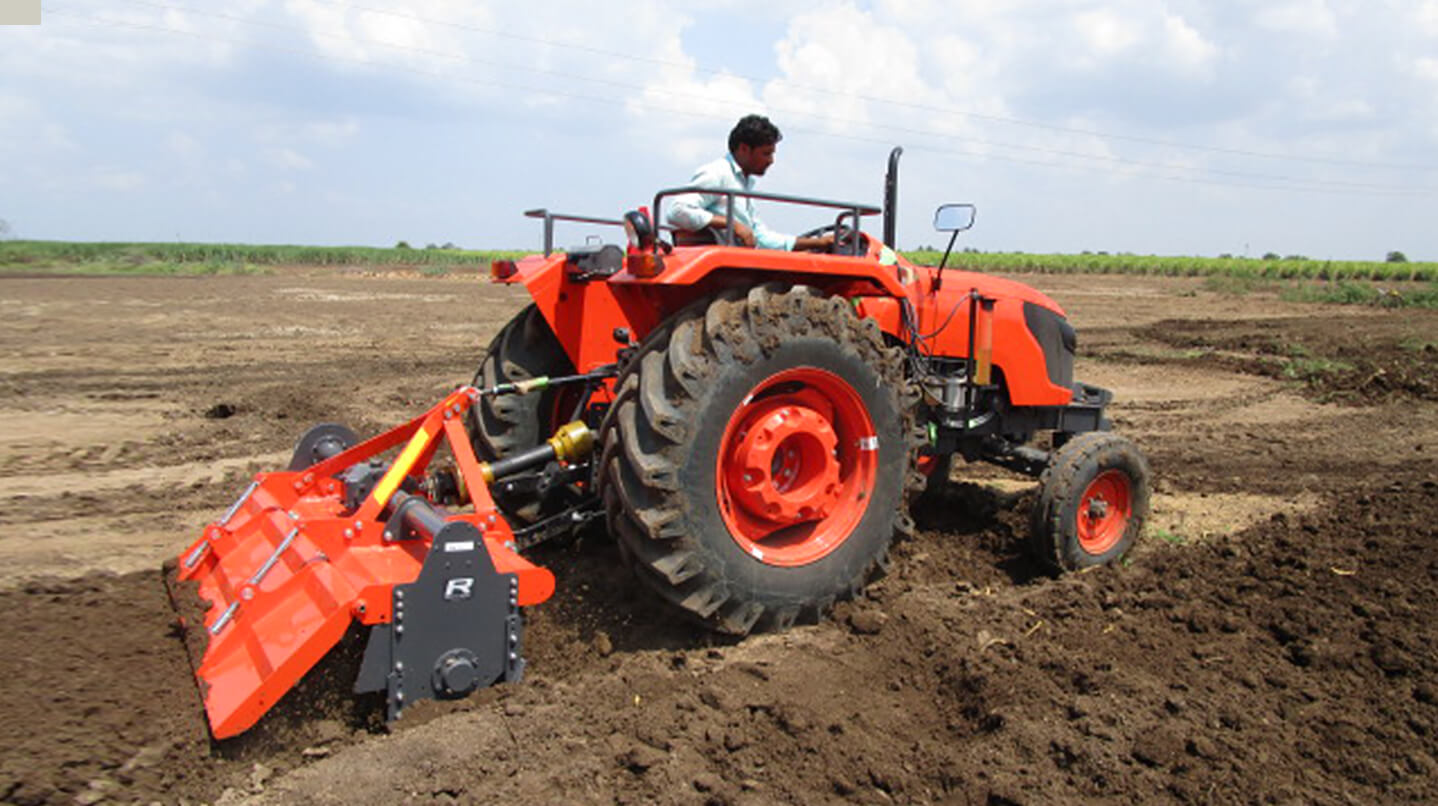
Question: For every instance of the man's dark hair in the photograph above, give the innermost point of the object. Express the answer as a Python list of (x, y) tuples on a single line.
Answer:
[(753, 131)]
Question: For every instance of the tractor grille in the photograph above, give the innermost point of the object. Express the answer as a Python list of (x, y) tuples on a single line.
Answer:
[(1058, 340)]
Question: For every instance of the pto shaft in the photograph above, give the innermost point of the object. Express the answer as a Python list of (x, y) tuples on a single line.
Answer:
[(571, 443)]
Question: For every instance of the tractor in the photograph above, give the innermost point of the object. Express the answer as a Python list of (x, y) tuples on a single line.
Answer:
[(749, 425)]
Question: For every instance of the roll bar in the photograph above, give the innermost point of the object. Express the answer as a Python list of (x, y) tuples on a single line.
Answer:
[(551, 217), (852, 210)]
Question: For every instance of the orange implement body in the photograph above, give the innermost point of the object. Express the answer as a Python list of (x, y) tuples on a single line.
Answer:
[(289, 568)]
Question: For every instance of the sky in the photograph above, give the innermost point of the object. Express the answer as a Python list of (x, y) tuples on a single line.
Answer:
[(1186, 127)]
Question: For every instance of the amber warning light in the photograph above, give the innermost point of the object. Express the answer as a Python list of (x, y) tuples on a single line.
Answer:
[(502, 269), (644, 264)]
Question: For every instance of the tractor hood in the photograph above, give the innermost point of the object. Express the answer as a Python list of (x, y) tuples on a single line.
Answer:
[(989, 286)]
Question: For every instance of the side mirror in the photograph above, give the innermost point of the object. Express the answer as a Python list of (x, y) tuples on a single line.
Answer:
[(954, 217)]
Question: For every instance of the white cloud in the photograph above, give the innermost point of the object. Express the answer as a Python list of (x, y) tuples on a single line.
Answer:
[(1187, 47), (702, 107), (1309, 17), (1426, 68), (1426, 16), (821, 50), (1107, 32), (391, 29), (328, 26), (326, 133), (290, 160), (1317, 101), (183, 146), (329, 132), (27, 128)]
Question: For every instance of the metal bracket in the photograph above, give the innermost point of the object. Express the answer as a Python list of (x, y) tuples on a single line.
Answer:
[(456, 628)]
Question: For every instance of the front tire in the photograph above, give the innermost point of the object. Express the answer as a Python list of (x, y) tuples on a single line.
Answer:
[(1093, 500), (758, 458)]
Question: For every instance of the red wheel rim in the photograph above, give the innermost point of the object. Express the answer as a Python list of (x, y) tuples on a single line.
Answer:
[(796, 467), (1104, 511)]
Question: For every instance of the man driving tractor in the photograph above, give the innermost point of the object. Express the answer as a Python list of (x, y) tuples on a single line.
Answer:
[(699, 218)]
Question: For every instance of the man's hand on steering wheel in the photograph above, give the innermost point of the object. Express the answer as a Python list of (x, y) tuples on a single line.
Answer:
[(820, 243), (836, 239)]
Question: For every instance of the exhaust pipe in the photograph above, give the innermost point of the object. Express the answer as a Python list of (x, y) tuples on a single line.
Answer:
[(891, 198)]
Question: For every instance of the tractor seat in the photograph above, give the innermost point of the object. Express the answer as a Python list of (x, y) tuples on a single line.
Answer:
[(703, 237)]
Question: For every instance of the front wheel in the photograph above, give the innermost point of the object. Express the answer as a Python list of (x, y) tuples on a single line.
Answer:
[(1093, 500), (758, 458)]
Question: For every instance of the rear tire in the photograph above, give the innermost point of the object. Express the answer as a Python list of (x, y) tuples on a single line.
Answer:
[(758, 458), (524, 348), (1093, 501)]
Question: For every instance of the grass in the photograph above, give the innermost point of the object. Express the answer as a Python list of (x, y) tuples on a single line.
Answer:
[(1344, 282), (1168, 537), (1346, 292), (1305, 369), (71, 257), (1237, 267), (1341, 292), (1236, 285)]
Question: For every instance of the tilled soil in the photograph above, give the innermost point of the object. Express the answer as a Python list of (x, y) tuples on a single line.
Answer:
[(1270, 641)]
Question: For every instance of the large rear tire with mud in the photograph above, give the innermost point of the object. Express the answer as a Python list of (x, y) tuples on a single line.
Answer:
[(1093, 500), (758, 459), (524, 348)]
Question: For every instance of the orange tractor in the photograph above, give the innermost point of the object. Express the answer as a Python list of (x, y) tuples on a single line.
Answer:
[(750, 424)]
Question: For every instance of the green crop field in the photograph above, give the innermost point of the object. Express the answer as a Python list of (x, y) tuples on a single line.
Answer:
[(1294, 278), (1278, 269), (69, 257)]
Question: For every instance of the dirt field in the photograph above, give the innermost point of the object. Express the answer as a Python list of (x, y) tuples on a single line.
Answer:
[(1271, 641)]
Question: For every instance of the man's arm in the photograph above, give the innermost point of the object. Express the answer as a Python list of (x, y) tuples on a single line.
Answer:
[(765, 238), (822, 243), (689, 211)]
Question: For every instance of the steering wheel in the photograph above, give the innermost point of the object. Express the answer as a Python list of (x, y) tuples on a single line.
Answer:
[(845, 237)]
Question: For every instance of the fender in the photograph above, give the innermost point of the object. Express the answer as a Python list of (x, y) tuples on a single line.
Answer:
[(585, 313)]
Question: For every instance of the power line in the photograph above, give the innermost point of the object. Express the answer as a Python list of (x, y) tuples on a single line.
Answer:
[(875, 99), (1337, 184), (1289, 183)]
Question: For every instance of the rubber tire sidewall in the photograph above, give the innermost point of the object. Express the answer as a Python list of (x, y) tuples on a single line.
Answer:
[(528, 342)]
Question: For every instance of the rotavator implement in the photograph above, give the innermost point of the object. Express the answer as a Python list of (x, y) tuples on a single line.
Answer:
[(750, 424)]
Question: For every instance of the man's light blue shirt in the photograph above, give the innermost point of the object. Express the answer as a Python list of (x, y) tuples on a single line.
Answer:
[(694, 211)]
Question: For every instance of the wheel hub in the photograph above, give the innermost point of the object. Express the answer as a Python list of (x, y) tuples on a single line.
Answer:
[(1104, 511), (786, 466), (1097, 508), (796, 466)]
